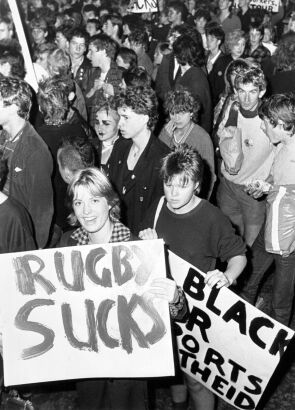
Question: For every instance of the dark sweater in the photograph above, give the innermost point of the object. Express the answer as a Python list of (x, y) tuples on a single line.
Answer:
[(200, 236), (16, 233)]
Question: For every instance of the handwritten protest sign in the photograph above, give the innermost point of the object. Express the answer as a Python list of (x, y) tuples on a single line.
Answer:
[(268, 5), (226, 344), (82, 312), (143, 6)]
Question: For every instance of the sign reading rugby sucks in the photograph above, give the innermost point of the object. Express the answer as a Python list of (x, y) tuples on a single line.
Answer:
[(226, 344), (82, 312)]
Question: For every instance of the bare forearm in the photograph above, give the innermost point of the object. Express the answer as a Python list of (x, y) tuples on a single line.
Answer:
[(235, 267)]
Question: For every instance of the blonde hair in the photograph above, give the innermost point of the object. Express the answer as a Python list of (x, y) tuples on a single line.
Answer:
[(98, 184)]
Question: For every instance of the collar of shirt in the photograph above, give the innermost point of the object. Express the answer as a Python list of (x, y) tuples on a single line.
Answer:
[(211, 61)]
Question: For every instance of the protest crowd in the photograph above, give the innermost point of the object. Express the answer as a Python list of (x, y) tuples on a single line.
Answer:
[(175, 123)]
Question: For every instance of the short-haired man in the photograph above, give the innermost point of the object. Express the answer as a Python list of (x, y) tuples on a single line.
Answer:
[(93, 27), (102, 51), (245, 212), (39, 28), (217, 61), (278, 123), (89, 11), (177, 13), (139, 43), (196, 231), (112, 25), (135, 161), (63, 36), (29, 160), (80, 65)]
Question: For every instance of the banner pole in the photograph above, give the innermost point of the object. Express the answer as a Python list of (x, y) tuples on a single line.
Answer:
[(31, 76)]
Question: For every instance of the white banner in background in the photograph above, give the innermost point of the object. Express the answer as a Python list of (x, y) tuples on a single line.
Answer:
[(81, 312), (143, 6), (268, 5)]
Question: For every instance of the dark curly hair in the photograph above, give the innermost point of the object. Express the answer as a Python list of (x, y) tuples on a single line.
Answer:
[(116, 20), (185, 29), (284, 56), (137, 76), (141, 100), (181, 100), (279, 107), (128, 56), (139, 37), (79, 33), (104, 42), (202, 13), (10, 54), (234, 68), (179, 7), (53, 98), (252, 75), (188, 50), (18, 92)]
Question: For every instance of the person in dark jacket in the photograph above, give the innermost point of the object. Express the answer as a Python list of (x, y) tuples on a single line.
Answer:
[(102, 51), (54, 104), (190, 56), (16, 234), (29, 160), (78, 42), (136, 159)]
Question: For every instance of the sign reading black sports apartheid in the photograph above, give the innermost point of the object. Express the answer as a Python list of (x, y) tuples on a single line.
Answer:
[(226, 344), (84, 311)]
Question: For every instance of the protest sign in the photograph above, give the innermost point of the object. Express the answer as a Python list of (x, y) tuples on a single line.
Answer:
[(143, 6), (82, 312), (268, 5), (226, 344)]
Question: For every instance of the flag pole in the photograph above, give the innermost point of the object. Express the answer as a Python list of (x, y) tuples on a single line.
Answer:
[(31, 76)]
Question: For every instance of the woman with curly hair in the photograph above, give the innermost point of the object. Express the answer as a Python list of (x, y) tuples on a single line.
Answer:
[(135, 161), (190, 56), (183, 110), (282, 78)]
